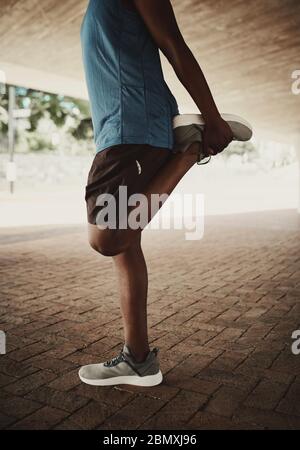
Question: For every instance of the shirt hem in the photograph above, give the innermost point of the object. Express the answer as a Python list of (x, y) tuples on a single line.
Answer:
[(133, 140)]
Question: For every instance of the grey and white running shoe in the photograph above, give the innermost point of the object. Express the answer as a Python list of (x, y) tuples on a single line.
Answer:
[(188, 128), (123, 369)]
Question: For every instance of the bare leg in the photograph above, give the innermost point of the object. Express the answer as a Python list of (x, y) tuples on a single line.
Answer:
[(112, 242), (125, 247), (133, 286)]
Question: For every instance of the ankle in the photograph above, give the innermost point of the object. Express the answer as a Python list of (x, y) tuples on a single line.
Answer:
[(190, 155), (139, 354), (141, 357), (193, 149), (186, 160)]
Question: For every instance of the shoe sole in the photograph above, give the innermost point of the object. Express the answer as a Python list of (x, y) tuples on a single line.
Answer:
[(242, 130), (149, 380)]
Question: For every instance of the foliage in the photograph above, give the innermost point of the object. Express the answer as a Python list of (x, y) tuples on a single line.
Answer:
[(69, 115), (36, 142), (63, 123)]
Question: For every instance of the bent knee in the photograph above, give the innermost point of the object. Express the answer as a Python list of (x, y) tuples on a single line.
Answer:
[(107, 244)]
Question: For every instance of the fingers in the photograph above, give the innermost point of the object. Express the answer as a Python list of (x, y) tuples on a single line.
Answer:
[(221, 146), (207, 148), (214, 143), (211, 152), (216, 149)]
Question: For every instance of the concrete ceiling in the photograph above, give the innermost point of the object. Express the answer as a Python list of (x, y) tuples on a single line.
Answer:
[(248, 51)]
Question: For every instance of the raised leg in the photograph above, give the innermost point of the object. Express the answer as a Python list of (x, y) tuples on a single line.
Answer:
[(113, 242)]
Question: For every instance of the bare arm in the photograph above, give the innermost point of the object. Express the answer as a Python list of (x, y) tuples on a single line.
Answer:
[(160, 20)]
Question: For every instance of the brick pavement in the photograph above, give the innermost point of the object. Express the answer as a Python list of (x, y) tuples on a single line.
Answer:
[(221, 310)]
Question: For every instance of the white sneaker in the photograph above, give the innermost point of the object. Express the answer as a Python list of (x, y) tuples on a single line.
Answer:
[(123, 369), (188, 128)]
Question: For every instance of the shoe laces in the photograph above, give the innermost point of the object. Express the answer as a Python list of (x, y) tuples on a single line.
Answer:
[(115, 360), (121, 357)]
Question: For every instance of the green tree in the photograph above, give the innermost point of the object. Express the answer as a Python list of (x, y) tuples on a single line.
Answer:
[(43, 104)]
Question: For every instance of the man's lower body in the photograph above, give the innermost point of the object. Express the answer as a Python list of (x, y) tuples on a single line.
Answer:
[(146, 170), (152, 172)]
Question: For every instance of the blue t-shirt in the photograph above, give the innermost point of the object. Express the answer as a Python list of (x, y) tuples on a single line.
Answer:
[(129, 98)]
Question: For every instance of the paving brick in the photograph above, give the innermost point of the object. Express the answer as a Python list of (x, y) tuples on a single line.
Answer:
[(117, 396), (91, 415), (222, 315), (15, 368), (227, 335), (80, 358), (230, 315), (29, 351), (103, 345), (266, 419), (192, 384), (128, 418), (176, 412), (287, 362), (263, 358), (228, 378), (207, 421), (54, 365), (66, 381), (67, 401), (161, 392), (167, 363), (17, 406), (27, 384), (61, 352), (68, 425), (42, 419), (5, 421), (192, 365), (192, 343), (29, 327), (290, 404), (169, 340), (257, 373), (6, 379), (266, 395), (228, 360), (225, 401)]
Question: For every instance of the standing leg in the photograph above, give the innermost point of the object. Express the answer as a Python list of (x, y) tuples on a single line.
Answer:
[(129, 259), (125, 248), (133, 286)]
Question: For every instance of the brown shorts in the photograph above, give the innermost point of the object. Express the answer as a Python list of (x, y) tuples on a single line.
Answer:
[(130, 165)]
